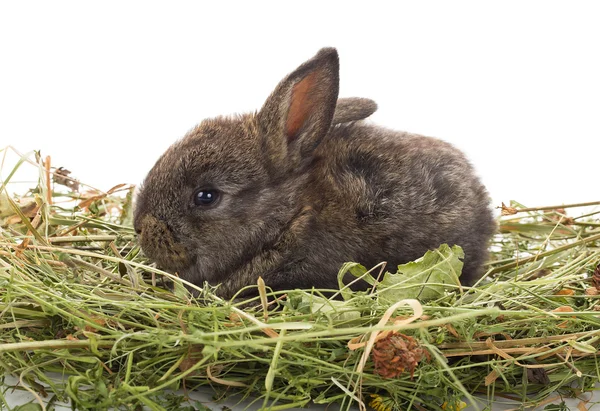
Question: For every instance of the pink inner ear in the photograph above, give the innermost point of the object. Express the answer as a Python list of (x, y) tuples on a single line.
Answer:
[(302, 103)]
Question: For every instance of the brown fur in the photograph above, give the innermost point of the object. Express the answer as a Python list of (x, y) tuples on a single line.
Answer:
[(304, 188)]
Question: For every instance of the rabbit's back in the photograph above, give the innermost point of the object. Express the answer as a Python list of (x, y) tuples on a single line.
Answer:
[(391, 196)]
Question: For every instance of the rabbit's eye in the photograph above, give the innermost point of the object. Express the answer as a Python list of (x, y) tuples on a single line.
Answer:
[(206, 197)]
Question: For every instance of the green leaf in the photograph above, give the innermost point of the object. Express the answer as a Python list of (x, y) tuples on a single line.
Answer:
[(179, 289), (208, 350), (424, 279), (357, 271), (336, 310), (556, 407), (583, 347)]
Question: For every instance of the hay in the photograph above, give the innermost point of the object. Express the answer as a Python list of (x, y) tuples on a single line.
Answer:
[(86, 320)]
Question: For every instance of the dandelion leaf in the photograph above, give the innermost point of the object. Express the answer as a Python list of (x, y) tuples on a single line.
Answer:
[(425, 279)]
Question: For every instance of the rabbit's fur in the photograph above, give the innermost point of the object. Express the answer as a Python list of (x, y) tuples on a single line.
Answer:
[(300, 193)]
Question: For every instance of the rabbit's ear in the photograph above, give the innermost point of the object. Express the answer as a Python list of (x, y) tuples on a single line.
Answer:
[(298, 114), (353, 109)]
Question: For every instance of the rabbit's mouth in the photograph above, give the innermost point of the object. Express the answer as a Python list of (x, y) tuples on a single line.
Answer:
[(158, 244)]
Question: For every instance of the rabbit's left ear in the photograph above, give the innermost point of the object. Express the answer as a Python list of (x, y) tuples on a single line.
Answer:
[(298, 114)]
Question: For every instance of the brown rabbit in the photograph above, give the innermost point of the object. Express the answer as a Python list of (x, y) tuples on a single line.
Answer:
[(292, 192)]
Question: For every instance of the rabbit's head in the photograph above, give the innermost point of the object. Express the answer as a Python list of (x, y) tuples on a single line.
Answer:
[(228, 189)]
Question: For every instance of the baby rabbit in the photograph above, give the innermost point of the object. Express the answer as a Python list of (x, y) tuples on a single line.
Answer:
[(295, 190)]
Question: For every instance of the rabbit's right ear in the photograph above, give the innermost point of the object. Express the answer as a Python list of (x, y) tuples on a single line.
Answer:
[(298, 114)]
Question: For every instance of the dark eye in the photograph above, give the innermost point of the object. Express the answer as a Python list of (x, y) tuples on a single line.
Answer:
[(206, 197)]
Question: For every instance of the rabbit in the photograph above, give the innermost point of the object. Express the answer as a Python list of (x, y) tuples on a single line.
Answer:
[(293, 191), (352, 109)]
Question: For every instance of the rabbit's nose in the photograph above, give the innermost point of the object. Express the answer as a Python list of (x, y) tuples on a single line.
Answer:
[(159, 243)]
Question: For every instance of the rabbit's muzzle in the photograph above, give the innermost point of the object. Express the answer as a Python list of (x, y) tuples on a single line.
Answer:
[(158, 243)]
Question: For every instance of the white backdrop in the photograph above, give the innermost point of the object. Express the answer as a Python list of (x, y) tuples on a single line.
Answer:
[(105, 87)]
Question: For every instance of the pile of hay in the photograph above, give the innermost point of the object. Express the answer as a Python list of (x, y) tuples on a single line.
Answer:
[(86, 320)]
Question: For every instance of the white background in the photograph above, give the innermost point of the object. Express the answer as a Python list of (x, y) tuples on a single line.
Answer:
[(105, 87)]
